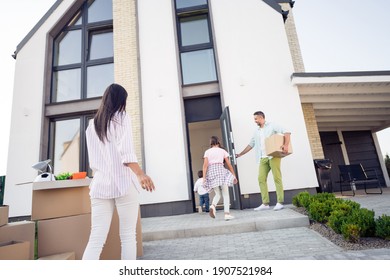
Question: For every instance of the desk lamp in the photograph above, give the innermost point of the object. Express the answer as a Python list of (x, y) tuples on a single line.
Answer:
[(42, 167)]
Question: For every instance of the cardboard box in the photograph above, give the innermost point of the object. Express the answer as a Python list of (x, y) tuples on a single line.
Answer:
[(14, 250), (4, 210), (64, 257), (71, 234), (273, 146), (55, 199), (21, 231)]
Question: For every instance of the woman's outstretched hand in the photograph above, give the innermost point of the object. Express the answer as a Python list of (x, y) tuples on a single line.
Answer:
[(144, 180)]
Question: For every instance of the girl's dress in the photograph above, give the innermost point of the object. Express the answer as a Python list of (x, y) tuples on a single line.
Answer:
[(217, 175)]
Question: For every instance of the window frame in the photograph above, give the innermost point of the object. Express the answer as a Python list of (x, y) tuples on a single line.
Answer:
[(87, 29), (83, 153), (195, 47)]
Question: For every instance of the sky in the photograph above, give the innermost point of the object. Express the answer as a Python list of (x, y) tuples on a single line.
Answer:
[(334, 35)]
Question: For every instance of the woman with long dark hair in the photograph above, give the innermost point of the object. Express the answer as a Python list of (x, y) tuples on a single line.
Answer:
[(117, 176), (217, 176)]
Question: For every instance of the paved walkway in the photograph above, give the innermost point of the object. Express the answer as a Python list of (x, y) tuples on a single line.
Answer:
[(253, 235)]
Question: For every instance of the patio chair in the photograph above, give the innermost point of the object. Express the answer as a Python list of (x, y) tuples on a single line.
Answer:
[(355, 174)]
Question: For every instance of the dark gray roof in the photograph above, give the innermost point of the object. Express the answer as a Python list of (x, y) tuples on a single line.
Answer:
[(274, 4)]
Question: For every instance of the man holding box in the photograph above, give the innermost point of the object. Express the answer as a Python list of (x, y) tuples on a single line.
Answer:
[(267, 163)]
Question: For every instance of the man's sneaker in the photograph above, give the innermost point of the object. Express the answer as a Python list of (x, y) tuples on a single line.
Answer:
[(278, 206), (212, 211), (228, 217), (262, 207)]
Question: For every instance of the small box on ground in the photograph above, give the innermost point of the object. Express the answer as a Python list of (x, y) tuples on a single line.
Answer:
[(21, 231), (15, 250), (4, 211), (273, 146)]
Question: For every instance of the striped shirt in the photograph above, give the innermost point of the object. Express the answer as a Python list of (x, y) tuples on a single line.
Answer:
[(258, 139), (112, 178)]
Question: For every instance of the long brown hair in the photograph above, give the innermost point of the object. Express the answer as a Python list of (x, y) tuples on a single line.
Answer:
[(113, 101)]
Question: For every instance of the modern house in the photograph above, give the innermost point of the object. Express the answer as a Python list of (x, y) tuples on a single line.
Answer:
[(193, 69)]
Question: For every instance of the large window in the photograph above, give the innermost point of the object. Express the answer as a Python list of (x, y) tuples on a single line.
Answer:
[(84, 54), (195, 42), (82, 68), (68, 143)]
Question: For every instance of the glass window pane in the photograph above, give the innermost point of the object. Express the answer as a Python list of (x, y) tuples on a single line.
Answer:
[(68, 48), (80, 21), (180, 4), (76, 20), (198, 67), (99, 78), (66, 146), (101, 45), (194, 30), (66, 85), (100, 10)]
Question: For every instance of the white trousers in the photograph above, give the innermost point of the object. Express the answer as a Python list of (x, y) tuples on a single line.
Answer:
[(225, 195), (101, 216)]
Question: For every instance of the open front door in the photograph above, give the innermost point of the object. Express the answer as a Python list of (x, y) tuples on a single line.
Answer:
[(227, 135)]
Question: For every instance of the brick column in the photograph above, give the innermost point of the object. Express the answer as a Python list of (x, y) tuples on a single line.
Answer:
[(292, 37), (126, 64)]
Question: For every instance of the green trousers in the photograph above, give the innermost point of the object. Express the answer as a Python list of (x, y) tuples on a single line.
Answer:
[(266, 165)]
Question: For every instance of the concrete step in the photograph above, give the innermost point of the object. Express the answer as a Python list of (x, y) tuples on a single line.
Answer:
[(201, 224)]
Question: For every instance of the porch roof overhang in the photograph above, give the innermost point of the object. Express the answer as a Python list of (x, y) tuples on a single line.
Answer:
[(347, 100)]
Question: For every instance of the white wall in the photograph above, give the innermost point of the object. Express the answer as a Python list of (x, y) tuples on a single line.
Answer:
[(255, 69), (165, 145), (26, 118)]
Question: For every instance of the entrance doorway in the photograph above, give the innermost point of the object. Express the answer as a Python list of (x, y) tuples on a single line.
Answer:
[(204, 118)]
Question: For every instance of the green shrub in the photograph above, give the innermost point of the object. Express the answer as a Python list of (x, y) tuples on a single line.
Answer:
[(382, 227), (351, 232), (365, 219), (302, 199), (295, 201), (322, 197), (354, 205), (341, 210), (337, 218), (343, 216)]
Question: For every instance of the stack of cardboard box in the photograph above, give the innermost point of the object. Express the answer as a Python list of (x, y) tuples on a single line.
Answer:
[(63, 213), (16, 239)]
